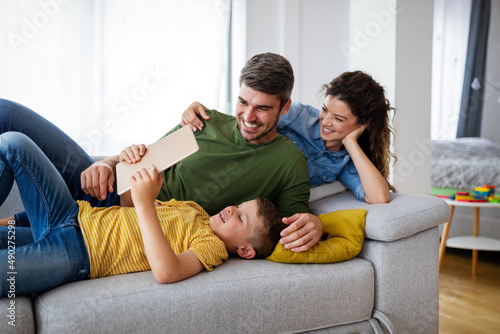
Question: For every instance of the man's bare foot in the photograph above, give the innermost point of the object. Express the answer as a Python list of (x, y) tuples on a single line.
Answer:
[(5, 221)]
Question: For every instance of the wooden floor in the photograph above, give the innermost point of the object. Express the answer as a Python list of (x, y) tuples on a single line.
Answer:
[(469, 304)]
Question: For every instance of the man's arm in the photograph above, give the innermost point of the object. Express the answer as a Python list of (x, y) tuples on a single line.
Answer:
[(97, 180), (304, 229), (167, 267)]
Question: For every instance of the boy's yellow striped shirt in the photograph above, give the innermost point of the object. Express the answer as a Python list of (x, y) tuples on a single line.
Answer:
[(115, 245)]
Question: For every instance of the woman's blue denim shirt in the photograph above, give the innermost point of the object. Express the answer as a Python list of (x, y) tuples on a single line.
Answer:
[(301, 125)]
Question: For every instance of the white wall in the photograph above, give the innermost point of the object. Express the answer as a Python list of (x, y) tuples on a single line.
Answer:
[(413, 96), (308, 33), (372, 46), (315, 34)]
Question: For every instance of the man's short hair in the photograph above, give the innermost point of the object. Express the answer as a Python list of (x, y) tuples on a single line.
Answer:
[(265, 238), (269, 73)]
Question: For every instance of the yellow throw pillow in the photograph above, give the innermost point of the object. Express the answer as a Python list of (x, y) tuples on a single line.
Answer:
[(346, 234)]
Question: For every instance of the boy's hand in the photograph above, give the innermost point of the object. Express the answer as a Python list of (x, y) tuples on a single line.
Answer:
[(190, 116), (133, 153), (146, 184)]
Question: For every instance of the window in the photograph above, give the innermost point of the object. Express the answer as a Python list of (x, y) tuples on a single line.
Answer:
[(451, 32), (116, 72)]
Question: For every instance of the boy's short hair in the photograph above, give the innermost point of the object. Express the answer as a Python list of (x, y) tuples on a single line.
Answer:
[(269, 73), (264, 239)]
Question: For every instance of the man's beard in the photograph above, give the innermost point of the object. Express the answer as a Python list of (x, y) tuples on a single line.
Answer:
[(259, 136)]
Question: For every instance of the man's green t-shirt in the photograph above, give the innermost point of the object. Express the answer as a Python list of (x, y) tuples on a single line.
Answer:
[(227, 170)]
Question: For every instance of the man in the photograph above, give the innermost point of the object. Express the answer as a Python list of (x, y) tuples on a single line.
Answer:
[(239, 158)]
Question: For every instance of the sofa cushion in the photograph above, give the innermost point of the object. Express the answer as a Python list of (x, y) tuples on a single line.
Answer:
[(12, 204), (17, 315), (403, 216), (326, 190), (240, 296), (345, 234)]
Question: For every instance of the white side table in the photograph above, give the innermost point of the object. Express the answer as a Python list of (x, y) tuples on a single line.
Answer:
[(474, 242)]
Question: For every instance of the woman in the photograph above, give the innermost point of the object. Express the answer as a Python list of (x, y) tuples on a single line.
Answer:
[(348, 140)]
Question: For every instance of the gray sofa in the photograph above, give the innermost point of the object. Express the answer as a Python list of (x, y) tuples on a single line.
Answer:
[(391, 287)]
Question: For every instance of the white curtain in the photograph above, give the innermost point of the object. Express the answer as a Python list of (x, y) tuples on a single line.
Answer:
[(451, 33), (112, 73)]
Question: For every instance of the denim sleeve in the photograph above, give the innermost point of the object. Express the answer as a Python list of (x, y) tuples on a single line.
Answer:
[(350, 178), (291, 116)]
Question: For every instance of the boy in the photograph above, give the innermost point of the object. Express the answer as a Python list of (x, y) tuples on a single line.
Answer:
[(70, 241)]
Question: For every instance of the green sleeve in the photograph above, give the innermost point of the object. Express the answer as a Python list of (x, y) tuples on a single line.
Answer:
[(177, 127), (294, 197)]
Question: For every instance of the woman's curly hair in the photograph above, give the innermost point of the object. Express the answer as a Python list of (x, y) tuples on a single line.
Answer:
[(366, 100)]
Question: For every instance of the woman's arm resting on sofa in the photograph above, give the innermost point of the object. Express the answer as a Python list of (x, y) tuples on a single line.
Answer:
[(374, 184)]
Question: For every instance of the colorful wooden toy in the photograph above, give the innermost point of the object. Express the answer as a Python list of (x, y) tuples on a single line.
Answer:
[(486, 193)]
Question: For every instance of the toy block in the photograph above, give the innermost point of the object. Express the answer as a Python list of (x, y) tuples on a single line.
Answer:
[(480, 200), (463, 198), (491, 188), (494, 199), (444, 196)]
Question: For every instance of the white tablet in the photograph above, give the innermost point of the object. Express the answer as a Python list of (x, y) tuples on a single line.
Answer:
[(163, 154)]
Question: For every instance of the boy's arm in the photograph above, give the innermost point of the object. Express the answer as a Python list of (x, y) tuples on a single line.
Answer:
[(167, 267), (126, 199), (131, 154)]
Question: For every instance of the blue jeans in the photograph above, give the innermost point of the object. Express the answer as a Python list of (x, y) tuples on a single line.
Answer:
[(66, 155), (57, 254)]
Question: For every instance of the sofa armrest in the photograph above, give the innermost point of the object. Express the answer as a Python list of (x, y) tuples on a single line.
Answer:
[(403, 216), (402, 243)]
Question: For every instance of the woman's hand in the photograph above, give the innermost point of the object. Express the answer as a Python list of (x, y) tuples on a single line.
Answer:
[(374, 184), (133, 153), (354, 134), (190, 116)]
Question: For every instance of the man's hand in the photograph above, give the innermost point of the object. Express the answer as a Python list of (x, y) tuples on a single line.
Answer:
[(97, 180), (304, 231), (146, 184), (190, 116), (133, 153)]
